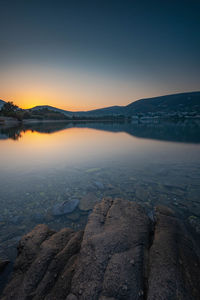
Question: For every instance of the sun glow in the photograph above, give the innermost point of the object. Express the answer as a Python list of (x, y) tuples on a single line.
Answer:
[(30, 85)]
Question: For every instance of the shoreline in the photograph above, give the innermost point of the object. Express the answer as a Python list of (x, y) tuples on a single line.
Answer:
[(11, 121), (123, 253)]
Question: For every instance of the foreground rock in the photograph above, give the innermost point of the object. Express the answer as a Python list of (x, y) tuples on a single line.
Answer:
[(122, 255), (173, 260)]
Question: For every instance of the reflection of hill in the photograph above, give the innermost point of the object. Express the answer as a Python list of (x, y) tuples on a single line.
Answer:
[(187, 131), (181, 131), (49, 127), (13, 133)]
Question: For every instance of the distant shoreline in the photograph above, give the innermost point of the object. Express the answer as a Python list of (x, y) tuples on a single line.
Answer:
[(9, 121), (13, 121)]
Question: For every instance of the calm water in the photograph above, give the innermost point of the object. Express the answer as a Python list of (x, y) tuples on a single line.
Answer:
[(44, 165)]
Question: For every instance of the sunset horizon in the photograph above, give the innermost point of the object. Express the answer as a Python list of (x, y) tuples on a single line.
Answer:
[(84, 108), (100, 149), (79, 56)]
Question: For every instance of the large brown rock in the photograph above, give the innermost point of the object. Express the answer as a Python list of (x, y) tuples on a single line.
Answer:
[(121, 255), (174, 262), (114, 252), (43, 258)]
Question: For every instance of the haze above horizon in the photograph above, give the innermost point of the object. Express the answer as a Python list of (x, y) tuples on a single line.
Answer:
[(78, 55)]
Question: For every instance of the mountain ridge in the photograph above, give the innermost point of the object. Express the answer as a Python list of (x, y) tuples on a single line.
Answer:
[(173, 103), (166, 103)]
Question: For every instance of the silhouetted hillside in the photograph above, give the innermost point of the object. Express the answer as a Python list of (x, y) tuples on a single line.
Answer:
[(189, 102), (180, 104), (185, 102)]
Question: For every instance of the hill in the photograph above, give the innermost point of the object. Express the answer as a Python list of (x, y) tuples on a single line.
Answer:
[(48, 107), (184, 102), (176, 104)]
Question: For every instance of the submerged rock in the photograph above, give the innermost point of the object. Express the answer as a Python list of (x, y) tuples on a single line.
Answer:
[(99, 185), (118, 257), (74, 216), (88, 201), (65, 207)]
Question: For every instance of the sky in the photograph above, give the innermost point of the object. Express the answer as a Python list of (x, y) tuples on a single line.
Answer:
[(81, 55)]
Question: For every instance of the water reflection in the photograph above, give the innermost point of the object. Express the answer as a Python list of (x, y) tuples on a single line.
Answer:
[(187, 131), (154, 163)]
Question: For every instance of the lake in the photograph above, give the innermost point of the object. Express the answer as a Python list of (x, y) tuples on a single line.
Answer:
[(44, 165)]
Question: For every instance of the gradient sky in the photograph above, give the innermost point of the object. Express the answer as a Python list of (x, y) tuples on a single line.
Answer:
[(81, 55)]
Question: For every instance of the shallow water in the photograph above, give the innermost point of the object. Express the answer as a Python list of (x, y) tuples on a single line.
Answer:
[(44, 165)]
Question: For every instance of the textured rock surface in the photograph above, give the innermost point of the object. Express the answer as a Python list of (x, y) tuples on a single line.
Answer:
[(174, 262), (121, 255), (113, 252)]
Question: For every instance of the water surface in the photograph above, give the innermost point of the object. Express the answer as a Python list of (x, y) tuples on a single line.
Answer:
[(43, 165)]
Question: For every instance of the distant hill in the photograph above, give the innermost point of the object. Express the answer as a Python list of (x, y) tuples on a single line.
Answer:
[(42, 107), (184, 102), (169, 104), (44, 113)]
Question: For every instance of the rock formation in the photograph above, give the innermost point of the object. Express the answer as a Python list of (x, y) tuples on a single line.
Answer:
[(121, 255)]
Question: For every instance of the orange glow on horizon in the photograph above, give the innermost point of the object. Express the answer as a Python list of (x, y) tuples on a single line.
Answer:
[(32, 102), (69, 90), (27, 102), (73, 89)]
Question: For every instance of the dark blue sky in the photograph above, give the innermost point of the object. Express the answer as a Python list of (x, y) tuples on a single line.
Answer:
[(86, 54)]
